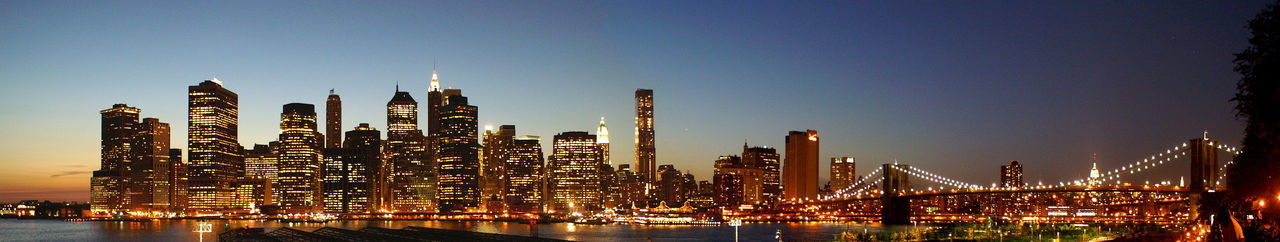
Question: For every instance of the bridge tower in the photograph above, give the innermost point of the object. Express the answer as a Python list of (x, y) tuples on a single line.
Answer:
[(1204, 175), (896, 209)]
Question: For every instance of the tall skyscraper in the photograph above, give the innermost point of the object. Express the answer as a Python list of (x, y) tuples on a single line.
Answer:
[(368, 142), (497, 146), (843, 173), (1011, 175), (800, 167), (523, 175), (149, 172), (646, 155), (413, 172), (602, 141), (737, 183), (177, 182), (574, 179), (347, 181), (767, 160), (110, 184), (333, 121), (134, 173), (300, 160), (459, 155), (213, 147)]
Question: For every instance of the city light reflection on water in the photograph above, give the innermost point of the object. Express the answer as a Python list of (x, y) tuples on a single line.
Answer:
[(184, 230)]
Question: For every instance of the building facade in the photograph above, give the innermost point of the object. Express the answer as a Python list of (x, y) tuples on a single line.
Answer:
[(333, 121), (497, 147), (844, 173), (800, 166), (459, 156), (574, 179), (213, 148), (300, 160), (1011, 175), (646, 154), (413, 171), (523, 176), (767, 160)]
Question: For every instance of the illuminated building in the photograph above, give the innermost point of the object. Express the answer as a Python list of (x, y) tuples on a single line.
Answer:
[(459, 155), (368, 141), (670, 185), (435, 99), (134, 173), (646, 154), (575, 173), (263, 162), (333, 121), (631, 189), (766, 159), (251, 193), (737, 183), (800, 166), (609, 187), (177, 182), (412, 179), (1011, 175), (843, 173), (523, 175), (213, 149), (497, 146), (347, 181), (602, 141), (149, 171), (300, 159)]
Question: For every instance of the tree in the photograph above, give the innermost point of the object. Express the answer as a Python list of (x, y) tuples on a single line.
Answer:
[(1255, 177)]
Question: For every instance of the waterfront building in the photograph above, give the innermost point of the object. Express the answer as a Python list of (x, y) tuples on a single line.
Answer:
[(737, 183), (646, 154), (574, 179), (368, 143), (1011, 175), (149, 170), (134, 171), (213, 147), (497, 146), (800, 166), (459, 155), (252, 193), (631, 189), (413, 171), (300, 160), (523, 177), (843, 173), (610, 189), (177, 182), (348, 180), (768, 161), (333, 121), (670, 185)]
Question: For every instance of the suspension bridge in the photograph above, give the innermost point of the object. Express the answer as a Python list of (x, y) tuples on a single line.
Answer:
[(888, 195)]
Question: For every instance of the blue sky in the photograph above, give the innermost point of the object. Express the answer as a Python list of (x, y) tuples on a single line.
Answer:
[(957, 88)]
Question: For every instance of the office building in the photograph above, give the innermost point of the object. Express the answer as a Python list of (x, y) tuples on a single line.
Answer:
[(843, 173), (800, 166), (767, 160), (300, 160), (497, 146), (333, 121), (459, 155), (646, 154), (574, 179), (413, 172), (523, 177), (213, 148)]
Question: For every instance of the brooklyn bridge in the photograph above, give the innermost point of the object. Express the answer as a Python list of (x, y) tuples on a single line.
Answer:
[(893, 194)]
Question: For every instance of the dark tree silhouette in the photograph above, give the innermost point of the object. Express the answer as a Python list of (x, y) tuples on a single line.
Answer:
[(1255, 176)]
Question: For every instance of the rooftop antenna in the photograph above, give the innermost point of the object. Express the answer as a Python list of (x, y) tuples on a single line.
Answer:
[(330, 91), (397, 86)]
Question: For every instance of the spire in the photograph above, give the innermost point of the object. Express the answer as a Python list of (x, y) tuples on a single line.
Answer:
[(435, 80), (397, 86)]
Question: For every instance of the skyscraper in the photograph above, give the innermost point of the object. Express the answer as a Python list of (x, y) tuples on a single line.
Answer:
[(497, 146), (800, 167), (213, 147), (737, 183), (347, 181), (458, 155), (767, 160), (177, 182), (602, 141), (843, 173), (109, 185), (670, 185), (300, 160), (1011, 175), (263, 162), (333, 121), (149, 171), (368, 141), (413, 175), (523, 175), (574, 179), (646, 155)]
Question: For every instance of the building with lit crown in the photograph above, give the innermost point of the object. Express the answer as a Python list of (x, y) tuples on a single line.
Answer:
[(800, 166)]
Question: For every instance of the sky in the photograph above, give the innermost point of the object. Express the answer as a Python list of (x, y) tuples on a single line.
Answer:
[(953, 87)]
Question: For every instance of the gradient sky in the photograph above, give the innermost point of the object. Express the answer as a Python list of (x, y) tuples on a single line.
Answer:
[(954, 87)]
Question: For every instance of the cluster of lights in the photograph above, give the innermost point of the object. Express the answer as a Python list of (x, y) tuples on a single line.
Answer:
[(1144, 164), (938, 179)]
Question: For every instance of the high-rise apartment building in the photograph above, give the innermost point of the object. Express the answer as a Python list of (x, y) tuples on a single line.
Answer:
[(646, 155), (843, 173), (459, 155), (574, 179), (800, 166), (413, 172), (213, 149), (333, 121), (497, 146), (523, 177), (1011, 175)]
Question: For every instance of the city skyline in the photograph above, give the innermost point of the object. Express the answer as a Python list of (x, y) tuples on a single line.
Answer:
[(695, 129)]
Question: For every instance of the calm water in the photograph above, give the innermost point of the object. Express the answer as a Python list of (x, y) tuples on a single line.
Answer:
[(181, 230)]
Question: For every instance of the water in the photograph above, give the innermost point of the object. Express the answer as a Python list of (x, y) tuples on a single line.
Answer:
[(181, 230)]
